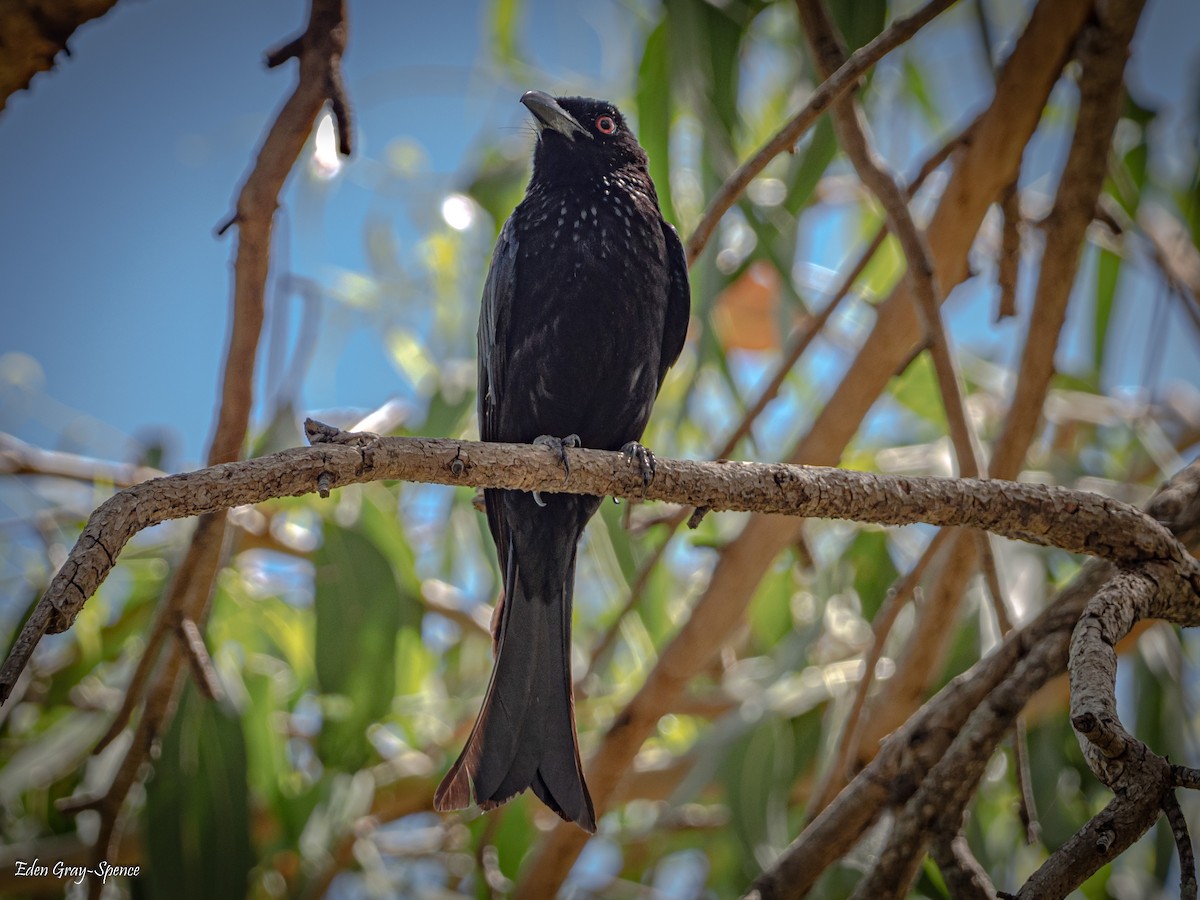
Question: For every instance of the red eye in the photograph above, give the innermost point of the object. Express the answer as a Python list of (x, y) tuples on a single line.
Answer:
[(606, 125)]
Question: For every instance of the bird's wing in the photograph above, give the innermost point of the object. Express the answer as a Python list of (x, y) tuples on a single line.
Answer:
[(494, 313), (493, 328), (679, 301)]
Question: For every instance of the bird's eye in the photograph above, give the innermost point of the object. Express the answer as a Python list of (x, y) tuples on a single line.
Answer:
[(606, 125)]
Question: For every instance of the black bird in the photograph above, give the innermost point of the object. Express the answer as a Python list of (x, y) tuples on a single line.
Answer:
[(584, 309)]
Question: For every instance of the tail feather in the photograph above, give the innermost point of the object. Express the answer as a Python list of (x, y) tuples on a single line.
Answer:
[(525, 734)]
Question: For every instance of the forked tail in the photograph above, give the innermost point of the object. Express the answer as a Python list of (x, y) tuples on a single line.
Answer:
[(525, 734)]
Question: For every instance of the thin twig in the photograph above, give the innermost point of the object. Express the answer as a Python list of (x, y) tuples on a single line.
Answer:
[(851, 129), (1028, 803), (822, 98), (1183, 845), (965, 878), (204, 673), (1008, 266), (20, 458)]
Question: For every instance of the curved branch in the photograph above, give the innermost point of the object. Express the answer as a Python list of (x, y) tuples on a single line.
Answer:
[(1109, 834), (1077, 521), (1038, 650)]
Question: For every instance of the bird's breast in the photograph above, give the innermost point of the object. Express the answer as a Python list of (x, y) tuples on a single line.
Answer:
[(610, 220), (589, 310)]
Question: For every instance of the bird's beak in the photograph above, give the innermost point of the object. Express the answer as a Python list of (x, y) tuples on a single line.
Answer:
[(550, 115)]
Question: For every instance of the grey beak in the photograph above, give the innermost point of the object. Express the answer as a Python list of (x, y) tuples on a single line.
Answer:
[(550, 115)]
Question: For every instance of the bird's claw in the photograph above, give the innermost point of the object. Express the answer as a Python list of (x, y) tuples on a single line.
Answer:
[(558, 446), (644, 457)]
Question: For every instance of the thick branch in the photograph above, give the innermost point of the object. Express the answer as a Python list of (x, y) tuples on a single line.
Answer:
[(1077, 521)]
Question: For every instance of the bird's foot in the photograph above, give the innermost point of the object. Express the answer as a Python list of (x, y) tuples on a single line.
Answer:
[(644, 457), (558, 446)]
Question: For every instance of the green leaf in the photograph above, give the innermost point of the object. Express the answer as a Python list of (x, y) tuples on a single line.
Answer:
[(613, 517), (886, 267), (383, 528), (757, 773), (725, 39), (770, 614), (654, 114), (916, 389), (358, 610), (806, 175), (704, 52), (268, 683), (1108, 271), (874, 571), (503, 24), (196, 822), (914, 81), (447, 415), (498, 183), (859, 20), (1127, 174)]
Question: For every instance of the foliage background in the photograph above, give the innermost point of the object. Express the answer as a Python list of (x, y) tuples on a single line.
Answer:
[(350, 635)]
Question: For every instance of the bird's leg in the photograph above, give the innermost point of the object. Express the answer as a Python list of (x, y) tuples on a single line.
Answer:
[(644, 458), (558, 446)]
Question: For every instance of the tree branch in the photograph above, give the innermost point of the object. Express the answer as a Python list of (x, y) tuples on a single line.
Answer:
[(830, 52), (822, 98), (904, 761), (1077, 521), (1102, 59), (19, 458)]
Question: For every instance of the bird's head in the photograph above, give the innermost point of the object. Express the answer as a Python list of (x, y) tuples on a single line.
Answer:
[(580, 139)]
